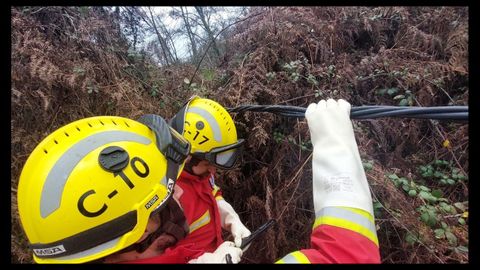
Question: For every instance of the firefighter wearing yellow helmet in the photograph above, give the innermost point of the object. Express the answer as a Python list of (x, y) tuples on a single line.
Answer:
[(212, 134), (210, 130), (89, 188)]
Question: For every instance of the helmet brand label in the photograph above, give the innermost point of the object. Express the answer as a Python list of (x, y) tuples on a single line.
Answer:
[(41, 252), (151, 202)]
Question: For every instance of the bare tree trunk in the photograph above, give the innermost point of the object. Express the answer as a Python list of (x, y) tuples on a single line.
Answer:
[(201, 14), (171, 50), (161, 40), (190, 34)]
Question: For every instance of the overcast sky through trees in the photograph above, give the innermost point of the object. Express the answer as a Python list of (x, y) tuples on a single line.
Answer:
[(173, 24)]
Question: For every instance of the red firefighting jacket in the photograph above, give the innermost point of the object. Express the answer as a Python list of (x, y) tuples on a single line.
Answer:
[(339, 235), (198, 201)]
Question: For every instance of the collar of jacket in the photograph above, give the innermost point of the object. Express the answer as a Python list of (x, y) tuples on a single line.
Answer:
[(192, 177)]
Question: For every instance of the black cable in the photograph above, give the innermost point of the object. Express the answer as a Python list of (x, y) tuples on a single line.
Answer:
[(369, 112)]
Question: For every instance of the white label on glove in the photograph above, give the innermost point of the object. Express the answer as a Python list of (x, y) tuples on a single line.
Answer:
[(338, 183)]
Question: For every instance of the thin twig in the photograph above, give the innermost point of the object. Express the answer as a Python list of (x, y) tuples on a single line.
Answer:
[(298, 184), (211, 42)]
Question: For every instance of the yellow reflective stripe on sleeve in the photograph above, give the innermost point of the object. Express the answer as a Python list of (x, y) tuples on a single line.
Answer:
[(218, 198), (200, 222), (215, 190), (294, 257), (347, 219)]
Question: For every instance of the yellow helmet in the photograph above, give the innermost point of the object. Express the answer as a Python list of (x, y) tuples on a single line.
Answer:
[(210, 130), (89, 188)]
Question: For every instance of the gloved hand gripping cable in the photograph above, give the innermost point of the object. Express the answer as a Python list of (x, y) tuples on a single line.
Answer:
[(369, 112)]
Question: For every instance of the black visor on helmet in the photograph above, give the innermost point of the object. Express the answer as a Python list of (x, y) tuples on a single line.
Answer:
[(224, 157)]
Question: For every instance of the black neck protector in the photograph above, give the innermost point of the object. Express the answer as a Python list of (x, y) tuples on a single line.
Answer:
[(172, 221)]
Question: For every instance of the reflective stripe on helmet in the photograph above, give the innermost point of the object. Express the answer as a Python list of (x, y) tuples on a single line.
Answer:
[(217, 134), (57, 177)]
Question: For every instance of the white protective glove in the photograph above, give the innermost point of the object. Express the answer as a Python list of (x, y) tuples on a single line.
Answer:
[(232, 223), (218, 256), (338, 175)]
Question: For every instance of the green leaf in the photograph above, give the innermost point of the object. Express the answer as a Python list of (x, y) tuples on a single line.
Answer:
[(439, 233), (377, 207), (410, 238), (393, 176), (392, 91), (462, 221), (432, 199), (463, 249), (425, 195), (425, 217), (424, 188), (403, 102), (437, 193), (406, 188), (450, 181), (367, 166), (412, 193), (452, 239), (447, 208), (460, 206), (398, 97)]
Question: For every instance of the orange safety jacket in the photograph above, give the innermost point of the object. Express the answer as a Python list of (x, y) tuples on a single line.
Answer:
[(198, 201), (340, 235)]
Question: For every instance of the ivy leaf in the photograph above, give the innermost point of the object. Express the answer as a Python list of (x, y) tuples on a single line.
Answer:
[(403, 102), (439, 233), (452, 239), (437, 193), (367, 166), (393, 176), (424, 188), (392, 91), (424, 195), (463, 249), (460, 206), (410, 238)]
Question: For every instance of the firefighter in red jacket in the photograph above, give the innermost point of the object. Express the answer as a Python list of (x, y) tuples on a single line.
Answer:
[(213, 138), (101, 188), (212, 135)]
